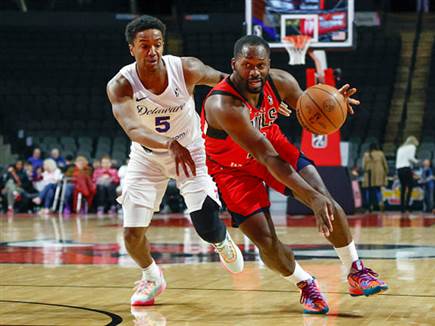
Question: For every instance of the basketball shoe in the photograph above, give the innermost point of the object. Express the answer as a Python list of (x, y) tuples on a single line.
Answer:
[(363, 281), (147, 290), (311, 297), (230, 254)]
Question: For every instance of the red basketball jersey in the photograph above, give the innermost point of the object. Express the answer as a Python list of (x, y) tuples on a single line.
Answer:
[(221, 149)]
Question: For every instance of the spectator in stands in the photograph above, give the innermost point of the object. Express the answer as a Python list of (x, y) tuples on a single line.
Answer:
[(106, 178), (375, 176), (18, 188), (35, 159), (405, 158), (81, 184), (55, 155), (428, 183), (50, 178)]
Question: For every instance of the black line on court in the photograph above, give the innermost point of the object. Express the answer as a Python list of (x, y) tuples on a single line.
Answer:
[(204, 289), (116, 319)]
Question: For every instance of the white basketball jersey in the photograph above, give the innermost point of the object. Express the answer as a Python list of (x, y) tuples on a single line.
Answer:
[(172, 113)]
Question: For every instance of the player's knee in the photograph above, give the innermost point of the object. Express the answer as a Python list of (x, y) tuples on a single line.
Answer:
[(133, 236), (268, 244), (207, 223)]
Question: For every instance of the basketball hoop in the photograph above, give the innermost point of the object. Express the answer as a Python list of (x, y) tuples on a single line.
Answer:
[(297, 46)]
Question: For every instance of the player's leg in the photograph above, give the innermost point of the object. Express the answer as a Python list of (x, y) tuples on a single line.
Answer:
[(203, 205), (259, 228), (247, 201), (211, 229), (145, 185), (362, 281), (152, 282)]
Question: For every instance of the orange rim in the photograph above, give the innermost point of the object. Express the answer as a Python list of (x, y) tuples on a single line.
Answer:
[(299, 41)]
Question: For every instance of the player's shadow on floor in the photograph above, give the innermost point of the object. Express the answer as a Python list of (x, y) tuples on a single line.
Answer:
[(330, 314), (324, 320)]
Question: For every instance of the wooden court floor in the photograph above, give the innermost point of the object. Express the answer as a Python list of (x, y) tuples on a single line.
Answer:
[(75, 271)]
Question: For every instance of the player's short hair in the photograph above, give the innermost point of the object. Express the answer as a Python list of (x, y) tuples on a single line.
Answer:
[(143, 23), (249, 40)]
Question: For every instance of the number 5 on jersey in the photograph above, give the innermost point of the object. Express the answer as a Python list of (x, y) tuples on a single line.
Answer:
[(162, 124)]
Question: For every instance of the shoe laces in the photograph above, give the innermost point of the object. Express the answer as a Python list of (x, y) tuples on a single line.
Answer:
[(365, 274), (226, 250), (145, 286), (310, 291)]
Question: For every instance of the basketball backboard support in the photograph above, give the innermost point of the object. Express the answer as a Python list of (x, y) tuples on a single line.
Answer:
[(328, 22)]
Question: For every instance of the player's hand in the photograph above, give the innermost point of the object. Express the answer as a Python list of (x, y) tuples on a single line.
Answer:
[(284, 109), (323, 211), (182, 157), (347, 92)]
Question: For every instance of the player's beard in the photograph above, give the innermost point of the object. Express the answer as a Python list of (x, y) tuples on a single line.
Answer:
[(255, 89)]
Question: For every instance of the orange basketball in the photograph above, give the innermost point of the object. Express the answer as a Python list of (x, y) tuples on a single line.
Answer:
[(321, 109)]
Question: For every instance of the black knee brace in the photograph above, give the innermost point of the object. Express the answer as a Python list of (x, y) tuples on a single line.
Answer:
[(207, 223)]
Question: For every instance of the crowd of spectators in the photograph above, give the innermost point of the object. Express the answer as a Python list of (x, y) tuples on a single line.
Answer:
[(30, 185)]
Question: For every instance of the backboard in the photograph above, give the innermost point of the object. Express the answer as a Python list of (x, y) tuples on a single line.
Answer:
[(328, 22)]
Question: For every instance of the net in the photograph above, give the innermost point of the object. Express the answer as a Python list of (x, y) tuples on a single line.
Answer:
[(297, 46)]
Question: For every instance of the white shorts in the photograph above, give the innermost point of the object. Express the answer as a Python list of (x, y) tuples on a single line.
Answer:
[(146, 180)]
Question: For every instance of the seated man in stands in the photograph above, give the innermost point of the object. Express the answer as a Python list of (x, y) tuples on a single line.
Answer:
[(106, 178)]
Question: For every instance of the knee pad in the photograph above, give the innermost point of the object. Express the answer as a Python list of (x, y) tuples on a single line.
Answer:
[(207, 222)]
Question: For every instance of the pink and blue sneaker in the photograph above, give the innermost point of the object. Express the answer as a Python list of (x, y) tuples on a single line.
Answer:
[(364, 281), (311, 297)]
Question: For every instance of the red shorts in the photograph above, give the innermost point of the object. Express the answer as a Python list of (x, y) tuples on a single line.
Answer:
[(244, 189)]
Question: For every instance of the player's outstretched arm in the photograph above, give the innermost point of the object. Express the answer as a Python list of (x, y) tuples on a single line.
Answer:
[(230, 115), (198, 73), (120, 95)]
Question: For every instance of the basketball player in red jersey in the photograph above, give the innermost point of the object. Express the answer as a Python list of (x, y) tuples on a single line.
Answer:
[(246, 149)]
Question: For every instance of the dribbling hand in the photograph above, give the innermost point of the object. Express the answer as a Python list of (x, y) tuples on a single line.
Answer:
[(347, 92), (182, 157), (323, 211)]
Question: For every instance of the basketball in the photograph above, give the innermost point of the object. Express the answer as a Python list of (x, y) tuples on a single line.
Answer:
[(321, 109)]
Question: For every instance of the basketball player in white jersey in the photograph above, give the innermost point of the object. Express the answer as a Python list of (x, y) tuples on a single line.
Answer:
[(152, 101)]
